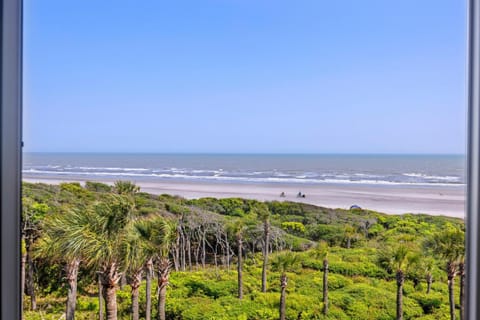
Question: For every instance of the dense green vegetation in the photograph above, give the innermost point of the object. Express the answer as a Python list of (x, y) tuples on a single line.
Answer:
[(117, 253)]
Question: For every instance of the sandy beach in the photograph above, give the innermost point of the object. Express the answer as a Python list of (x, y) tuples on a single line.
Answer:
[(438, 200)]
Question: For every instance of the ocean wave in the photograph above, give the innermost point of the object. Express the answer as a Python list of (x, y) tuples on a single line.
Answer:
[(224, 176), (430, 177), (367, 175), (89, 168)]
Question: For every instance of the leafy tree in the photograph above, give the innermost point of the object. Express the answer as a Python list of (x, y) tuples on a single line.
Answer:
[(32, 214), (284, 263)]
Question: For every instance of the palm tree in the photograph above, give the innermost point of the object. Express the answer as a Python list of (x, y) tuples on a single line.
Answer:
[(398, 259), (58, 230), (163, 273), (321, 252), (237, 228), (125, 187), (350, 234), (450, 246), (264, 215), (428, 265), (148, 288), (163, 238), (160, 234), (136, 254), (100, 238), (156, 234), (283, 263), (55, 245)]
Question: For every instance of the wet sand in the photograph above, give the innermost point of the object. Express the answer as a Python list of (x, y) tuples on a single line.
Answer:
[(438, 200)]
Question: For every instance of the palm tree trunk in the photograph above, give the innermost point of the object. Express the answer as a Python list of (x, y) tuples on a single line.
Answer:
[(135, 282), (451, 272), (110, 278), (283, 286), (239, 268), (266, 231), (162, 296), (72, 275), (429, 282), (110, 296), (461, 270), (325, 286), (148, 289), (415, 281), (135, 312), (400, 280), (163, 274), (451, 298), (22, 284), (100, 299), (30, 282)]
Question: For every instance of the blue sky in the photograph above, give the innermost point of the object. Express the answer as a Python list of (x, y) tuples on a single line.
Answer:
[(245, 76)]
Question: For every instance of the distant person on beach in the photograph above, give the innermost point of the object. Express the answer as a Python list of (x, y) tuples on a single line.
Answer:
[(282, 194), (300, 195)]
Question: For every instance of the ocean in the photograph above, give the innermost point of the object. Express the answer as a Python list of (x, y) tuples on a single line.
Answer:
[(313, 169)]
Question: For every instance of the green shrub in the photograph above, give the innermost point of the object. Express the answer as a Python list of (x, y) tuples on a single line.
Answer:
[(428, 302)]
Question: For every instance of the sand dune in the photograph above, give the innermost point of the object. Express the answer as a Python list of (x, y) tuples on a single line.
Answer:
[(448, 201)]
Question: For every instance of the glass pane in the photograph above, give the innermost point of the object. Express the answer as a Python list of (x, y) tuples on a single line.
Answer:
[(244, 160)]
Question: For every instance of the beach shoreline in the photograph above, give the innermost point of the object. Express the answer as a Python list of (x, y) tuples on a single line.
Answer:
[(438, 200)]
